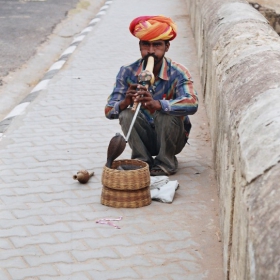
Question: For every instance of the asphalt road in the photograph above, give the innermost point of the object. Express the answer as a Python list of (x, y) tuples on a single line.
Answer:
[(24, 25)]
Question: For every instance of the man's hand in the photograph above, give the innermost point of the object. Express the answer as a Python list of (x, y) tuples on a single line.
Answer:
[(145, 98), (129, 97)]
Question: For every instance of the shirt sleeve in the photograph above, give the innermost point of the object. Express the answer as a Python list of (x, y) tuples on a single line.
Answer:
[(112, 108), (185, 99)]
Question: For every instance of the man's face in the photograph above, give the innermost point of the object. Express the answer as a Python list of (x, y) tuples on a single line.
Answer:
[(155, 48)]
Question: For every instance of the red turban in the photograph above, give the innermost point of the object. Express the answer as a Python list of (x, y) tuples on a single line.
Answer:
[(152, 28)]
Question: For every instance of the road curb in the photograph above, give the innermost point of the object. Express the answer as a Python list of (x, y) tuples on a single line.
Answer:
[(53, 70)]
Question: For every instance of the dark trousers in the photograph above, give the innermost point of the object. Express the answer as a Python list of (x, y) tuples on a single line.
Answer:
[(163, 140)]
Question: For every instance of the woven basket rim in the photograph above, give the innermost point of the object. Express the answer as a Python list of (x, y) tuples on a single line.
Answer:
[(137, 162), (126, 179)]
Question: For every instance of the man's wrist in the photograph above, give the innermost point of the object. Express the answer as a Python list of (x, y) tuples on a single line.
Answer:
[(159, 107), (122, 105)]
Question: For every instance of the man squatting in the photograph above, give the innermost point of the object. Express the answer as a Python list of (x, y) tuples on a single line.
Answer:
[(162, 127)]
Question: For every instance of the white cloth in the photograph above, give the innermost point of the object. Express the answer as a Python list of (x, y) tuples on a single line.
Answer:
[(158, 181), (162, 189)]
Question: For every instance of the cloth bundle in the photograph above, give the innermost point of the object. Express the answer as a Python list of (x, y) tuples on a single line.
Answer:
[(162, 189)]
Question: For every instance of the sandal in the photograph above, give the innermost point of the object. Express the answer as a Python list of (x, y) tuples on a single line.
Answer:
[(157, 171)]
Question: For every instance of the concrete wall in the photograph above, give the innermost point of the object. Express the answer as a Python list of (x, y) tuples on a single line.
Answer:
[(239, 56)]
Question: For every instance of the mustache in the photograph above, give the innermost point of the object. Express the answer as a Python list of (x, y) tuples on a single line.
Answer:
[(145, 58)]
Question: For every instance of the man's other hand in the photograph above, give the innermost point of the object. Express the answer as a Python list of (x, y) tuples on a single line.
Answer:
[(145, 98), (129, 97)]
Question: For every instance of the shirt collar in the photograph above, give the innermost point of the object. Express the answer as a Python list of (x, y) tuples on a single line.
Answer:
[(163, 70)]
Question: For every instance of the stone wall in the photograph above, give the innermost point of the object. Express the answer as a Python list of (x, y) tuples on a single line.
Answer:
[(239, 56)]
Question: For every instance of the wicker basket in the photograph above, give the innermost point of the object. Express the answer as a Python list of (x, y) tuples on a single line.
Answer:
[(126, 179), (126, 188), (126, 199)]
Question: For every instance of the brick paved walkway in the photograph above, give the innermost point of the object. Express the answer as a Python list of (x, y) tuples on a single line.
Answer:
[(48, 228)]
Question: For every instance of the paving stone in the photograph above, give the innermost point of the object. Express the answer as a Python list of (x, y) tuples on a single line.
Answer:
[(76, 226), (102, 253), (21, 178), (58, 195), (5, 244), (58, 257), (68, 209), (178, 256), (39, 189), (46, 205), (58, 227), (89, 200), (20, 198), (64, 247), (18, 274), (128, 251), (58, 218), (174, 246), (22, 222), (6, 215), (13, 262), (190, 266), (21, 171), (39, 239), (197, 276), (115, 274), (110, 241), (132, 261), (78, 276), (14, 231), (155, 236), (91, 265), (7, 173), (155, 271), (7, 192), (20, 252), (11, 207), (25, 213), (4, 274), (86, 234)]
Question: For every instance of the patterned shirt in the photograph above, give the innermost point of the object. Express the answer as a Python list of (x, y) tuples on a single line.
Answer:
[(174, 89)]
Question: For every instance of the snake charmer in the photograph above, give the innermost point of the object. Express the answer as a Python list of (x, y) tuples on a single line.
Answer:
[(162, 127)]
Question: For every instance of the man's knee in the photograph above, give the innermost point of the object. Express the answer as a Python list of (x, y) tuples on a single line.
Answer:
[(125, 114), (167, 121), (125, 117)]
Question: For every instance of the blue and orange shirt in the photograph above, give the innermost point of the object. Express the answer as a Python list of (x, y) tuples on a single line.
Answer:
[(174, 89)]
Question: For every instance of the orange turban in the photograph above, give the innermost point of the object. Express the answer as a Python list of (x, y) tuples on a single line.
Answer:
[(152, 28)]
